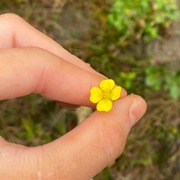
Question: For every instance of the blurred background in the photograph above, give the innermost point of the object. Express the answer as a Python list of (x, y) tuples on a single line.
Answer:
[(136, 43)]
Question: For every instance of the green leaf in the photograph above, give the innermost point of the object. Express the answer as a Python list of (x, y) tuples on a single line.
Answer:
[(175, 92), (154, 82), (132, 75)]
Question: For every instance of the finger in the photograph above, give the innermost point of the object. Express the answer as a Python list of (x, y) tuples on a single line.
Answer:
[(98, 141), (81, 153), (28, 70), (16, 32)]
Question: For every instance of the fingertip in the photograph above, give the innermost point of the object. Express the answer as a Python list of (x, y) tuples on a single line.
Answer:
[(102, 135), (123, 93), (137, 109)]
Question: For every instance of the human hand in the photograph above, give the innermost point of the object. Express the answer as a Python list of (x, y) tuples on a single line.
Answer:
[(30, 62)]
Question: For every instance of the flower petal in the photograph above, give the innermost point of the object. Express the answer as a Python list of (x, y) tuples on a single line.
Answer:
[(107, 85), (116, 93), (104, 105), (95, 94)]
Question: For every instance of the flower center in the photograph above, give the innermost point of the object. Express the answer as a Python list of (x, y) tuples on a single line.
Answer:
[(107, 95)]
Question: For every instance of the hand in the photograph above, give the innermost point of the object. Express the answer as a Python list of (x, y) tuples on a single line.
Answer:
[(30, 62)]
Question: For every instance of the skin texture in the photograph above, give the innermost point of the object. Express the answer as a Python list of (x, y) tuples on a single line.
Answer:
[(31, 62)]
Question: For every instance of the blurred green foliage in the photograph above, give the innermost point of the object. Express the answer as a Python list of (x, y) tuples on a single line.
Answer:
[(141, 20), (34, 120), (161, 78), (127, 79), (154, 77)]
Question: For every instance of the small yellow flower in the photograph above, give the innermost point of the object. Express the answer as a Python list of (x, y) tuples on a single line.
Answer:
[(104, 95)]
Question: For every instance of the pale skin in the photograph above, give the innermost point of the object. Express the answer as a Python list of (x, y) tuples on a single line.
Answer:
[(31, 62)]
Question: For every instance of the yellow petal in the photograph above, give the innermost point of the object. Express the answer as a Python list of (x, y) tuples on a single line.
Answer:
[(95, 94), (107, 85), (104, 105), (116, 93)]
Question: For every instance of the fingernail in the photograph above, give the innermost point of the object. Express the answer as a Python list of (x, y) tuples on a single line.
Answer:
[(137, 110)]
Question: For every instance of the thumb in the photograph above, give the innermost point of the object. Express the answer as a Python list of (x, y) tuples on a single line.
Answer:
[(81, 153), (96, 142)]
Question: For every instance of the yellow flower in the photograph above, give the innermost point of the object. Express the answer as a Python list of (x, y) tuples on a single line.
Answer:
[(105, 94)]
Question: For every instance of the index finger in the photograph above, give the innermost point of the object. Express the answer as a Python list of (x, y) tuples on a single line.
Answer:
[(28, 70)]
